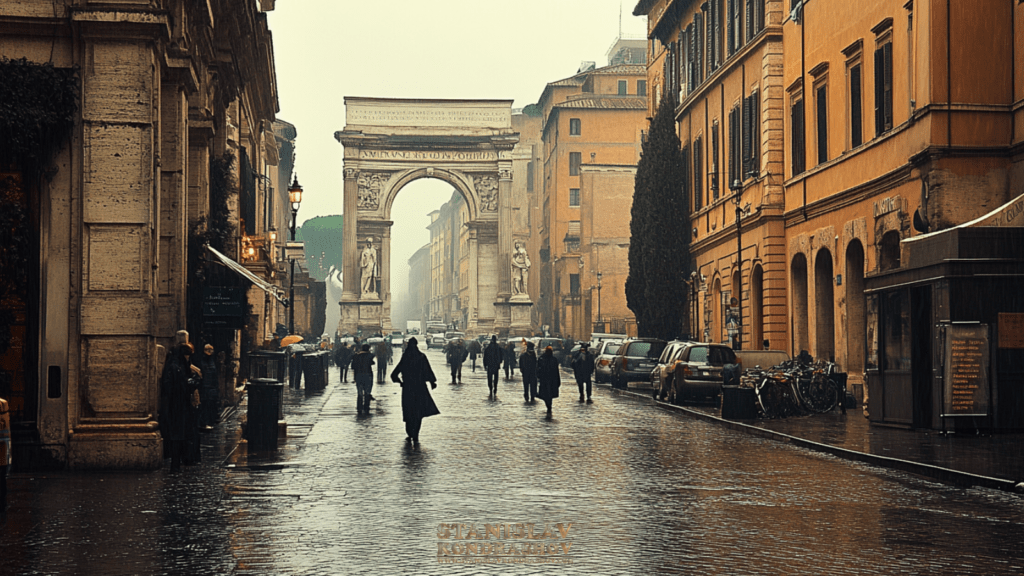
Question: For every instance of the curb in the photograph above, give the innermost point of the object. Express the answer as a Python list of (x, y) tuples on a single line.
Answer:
[(955, 477)]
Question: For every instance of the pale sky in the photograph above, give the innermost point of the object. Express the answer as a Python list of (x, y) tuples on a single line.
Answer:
[(326, 50)]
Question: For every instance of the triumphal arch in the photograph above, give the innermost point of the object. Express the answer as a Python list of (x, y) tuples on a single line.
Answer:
[(467, 143)]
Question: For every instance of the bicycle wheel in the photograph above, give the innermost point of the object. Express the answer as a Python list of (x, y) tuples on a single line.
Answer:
[(819, 394), (771, 398)]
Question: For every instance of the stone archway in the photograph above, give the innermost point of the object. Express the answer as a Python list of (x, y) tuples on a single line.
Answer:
[(467, 143)]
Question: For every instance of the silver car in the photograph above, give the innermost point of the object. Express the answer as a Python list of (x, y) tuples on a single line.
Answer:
[(605, 351)]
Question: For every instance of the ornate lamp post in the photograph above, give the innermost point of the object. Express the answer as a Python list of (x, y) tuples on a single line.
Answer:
[(599, 320), (737, 189), (295, 197)]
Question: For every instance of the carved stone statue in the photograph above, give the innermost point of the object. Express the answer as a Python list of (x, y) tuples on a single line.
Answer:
[(520, 271), (368, 269)]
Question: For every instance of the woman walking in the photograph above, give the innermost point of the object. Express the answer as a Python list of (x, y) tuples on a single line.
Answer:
[(550, 380), (412, 373)]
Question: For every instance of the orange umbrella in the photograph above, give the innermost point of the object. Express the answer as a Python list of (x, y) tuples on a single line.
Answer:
[(289, 340)]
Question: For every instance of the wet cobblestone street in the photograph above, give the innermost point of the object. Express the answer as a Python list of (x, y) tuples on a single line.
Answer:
[(636, 490)]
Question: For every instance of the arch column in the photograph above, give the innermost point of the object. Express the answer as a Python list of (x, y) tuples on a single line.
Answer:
[(350, 251)]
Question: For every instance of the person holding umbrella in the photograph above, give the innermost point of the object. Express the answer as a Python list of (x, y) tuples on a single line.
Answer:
[(412, 373)]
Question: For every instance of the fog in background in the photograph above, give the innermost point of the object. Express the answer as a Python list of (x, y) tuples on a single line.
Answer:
[(326, 50)]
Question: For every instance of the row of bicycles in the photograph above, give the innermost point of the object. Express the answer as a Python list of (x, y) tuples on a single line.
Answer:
[(797, 388)]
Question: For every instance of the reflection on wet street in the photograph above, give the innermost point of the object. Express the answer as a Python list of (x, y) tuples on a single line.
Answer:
[(613, 487)]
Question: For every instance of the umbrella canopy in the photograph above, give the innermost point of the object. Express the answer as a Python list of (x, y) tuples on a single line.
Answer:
[(289, 340)]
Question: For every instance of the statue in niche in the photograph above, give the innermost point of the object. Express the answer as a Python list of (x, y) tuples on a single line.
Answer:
[(520, 271), (371, 184), (368, 269), (487, 188)]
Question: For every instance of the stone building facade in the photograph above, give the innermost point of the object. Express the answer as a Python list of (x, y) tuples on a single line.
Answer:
[(166, 87), (820, 137)]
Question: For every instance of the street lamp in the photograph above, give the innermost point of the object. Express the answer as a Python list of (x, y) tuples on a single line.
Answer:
[(601, 322), (295, 197), (737, 189)]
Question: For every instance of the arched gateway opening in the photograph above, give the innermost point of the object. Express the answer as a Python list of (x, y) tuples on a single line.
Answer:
[(390, 143)]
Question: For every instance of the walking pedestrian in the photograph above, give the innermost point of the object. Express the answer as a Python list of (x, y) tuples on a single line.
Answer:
[(549, 377), (455, 356), (474, 348), (362, 373), (179, 384), (493, 356), (412, 373), (380, 350), (528, 370), (583, 370), (209, 393), (510, 359), (343, 357)]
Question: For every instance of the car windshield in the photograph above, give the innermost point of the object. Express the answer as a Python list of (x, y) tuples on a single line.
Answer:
[(611, 349)]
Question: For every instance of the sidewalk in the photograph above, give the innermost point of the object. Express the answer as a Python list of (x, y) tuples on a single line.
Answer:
[(993, 461)]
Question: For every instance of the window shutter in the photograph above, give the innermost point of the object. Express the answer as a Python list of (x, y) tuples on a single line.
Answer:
[(879, 91), (822, 112), (733, 140), (755, 134), (714, 33), (684, 157), (797, 122), (887, 51), (698, 167), (692, 55), (748, 135), (856, 129), (730, 7), (713, 172), (698, 28), (750, 19)]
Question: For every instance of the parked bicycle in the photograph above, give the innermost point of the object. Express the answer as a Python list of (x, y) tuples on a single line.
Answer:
[(795, 388)]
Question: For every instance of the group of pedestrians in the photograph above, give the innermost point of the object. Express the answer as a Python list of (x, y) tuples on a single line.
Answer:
[(189, 400), (541, 376)]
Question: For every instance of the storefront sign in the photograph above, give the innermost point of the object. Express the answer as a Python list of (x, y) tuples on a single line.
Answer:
[(222, 307), (1011, 330), (966, 390)]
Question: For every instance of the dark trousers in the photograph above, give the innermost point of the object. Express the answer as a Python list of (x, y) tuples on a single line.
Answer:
[(176, 450), (210, 406), (412, 429), (529, 388), (547, 402), (509, 370), (344, 373), (457, 372), (382, 370), (473, 358), (580, 383), (492, 380)]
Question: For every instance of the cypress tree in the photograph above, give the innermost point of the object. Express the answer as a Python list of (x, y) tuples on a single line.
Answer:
[(659, 257)]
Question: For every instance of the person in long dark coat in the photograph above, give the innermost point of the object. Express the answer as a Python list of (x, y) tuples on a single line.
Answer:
[(412, 373), (583, 370), (493, 356), (178, 385), (550, 379), (510, 359), (474, 348), (528, 370)]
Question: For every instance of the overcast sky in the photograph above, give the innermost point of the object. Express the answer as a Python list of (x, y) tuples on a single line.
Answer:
[(326, 50)]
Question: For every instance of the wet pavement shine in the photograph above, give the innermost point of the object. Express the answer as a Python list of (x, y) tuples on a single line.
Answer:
[(613, 487)]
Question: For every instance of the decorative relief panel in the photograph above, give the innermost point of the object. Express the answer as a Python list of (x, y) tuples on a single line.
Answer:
[(371, 188), (487, 188)]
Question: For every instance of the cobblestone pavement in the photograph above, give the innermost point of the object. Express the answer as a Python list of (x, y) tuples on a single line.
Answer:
[(613, 487)]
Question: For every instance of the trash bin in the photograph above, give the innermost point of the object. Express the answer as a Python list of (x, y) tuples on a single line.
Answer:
[(738, 403), (265, 396), (314, 370), (5, 451), (268, 364)]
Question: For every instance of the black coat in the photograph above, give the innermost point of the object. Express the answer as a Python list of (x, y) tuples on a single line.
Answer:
[(208, 366), (362, 362), (177, 384), (413, 372), (583, 364), (549, 377), (493, 356), (528, 365)]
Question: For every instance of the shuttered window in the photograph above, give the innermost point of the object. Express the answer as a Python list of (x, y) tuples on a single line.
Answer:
[(575, 159), (821, 109), (698, 28), (883, 88), (684, 157), (751, 135), (750, 20), (735, 131), (856, 112), (713, 174), (797, 122), (691, 56), (698, 167)]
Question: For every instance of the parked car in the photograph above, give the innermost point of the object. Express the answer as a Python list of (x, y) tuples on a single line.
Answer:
[(661, 375), (698, 371), (397, 339), (604, 352), (635, 360), (557, 347), (436, 340)]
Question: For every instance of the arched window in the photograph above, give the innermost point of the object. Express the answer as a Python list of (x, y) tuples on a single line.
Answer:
[(855, 308), (756, 308)]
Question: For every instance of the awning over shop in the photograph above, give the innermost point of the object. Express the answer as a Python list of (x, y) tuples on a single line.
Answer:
[(242, 271)]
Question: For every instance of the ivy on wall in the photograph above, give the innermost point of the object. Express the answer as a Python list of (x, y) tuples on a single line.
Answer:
[(38, 107)]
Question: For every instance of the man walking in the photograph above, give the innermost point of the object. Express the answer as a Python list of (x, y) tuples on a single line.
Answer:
[(550, 380), (493, 356), (528, 370), (455, 356), (583, 369), (343, 357), (362, 370), (510, 359), (381, 352)]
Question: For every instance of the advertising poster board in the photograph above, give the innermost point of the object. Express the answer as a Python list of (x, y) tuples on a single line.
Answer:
[(966, 379)]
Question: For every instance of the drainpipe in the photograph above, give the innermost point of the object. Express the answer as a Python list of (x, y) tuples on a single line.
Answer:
[(949, 79)]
